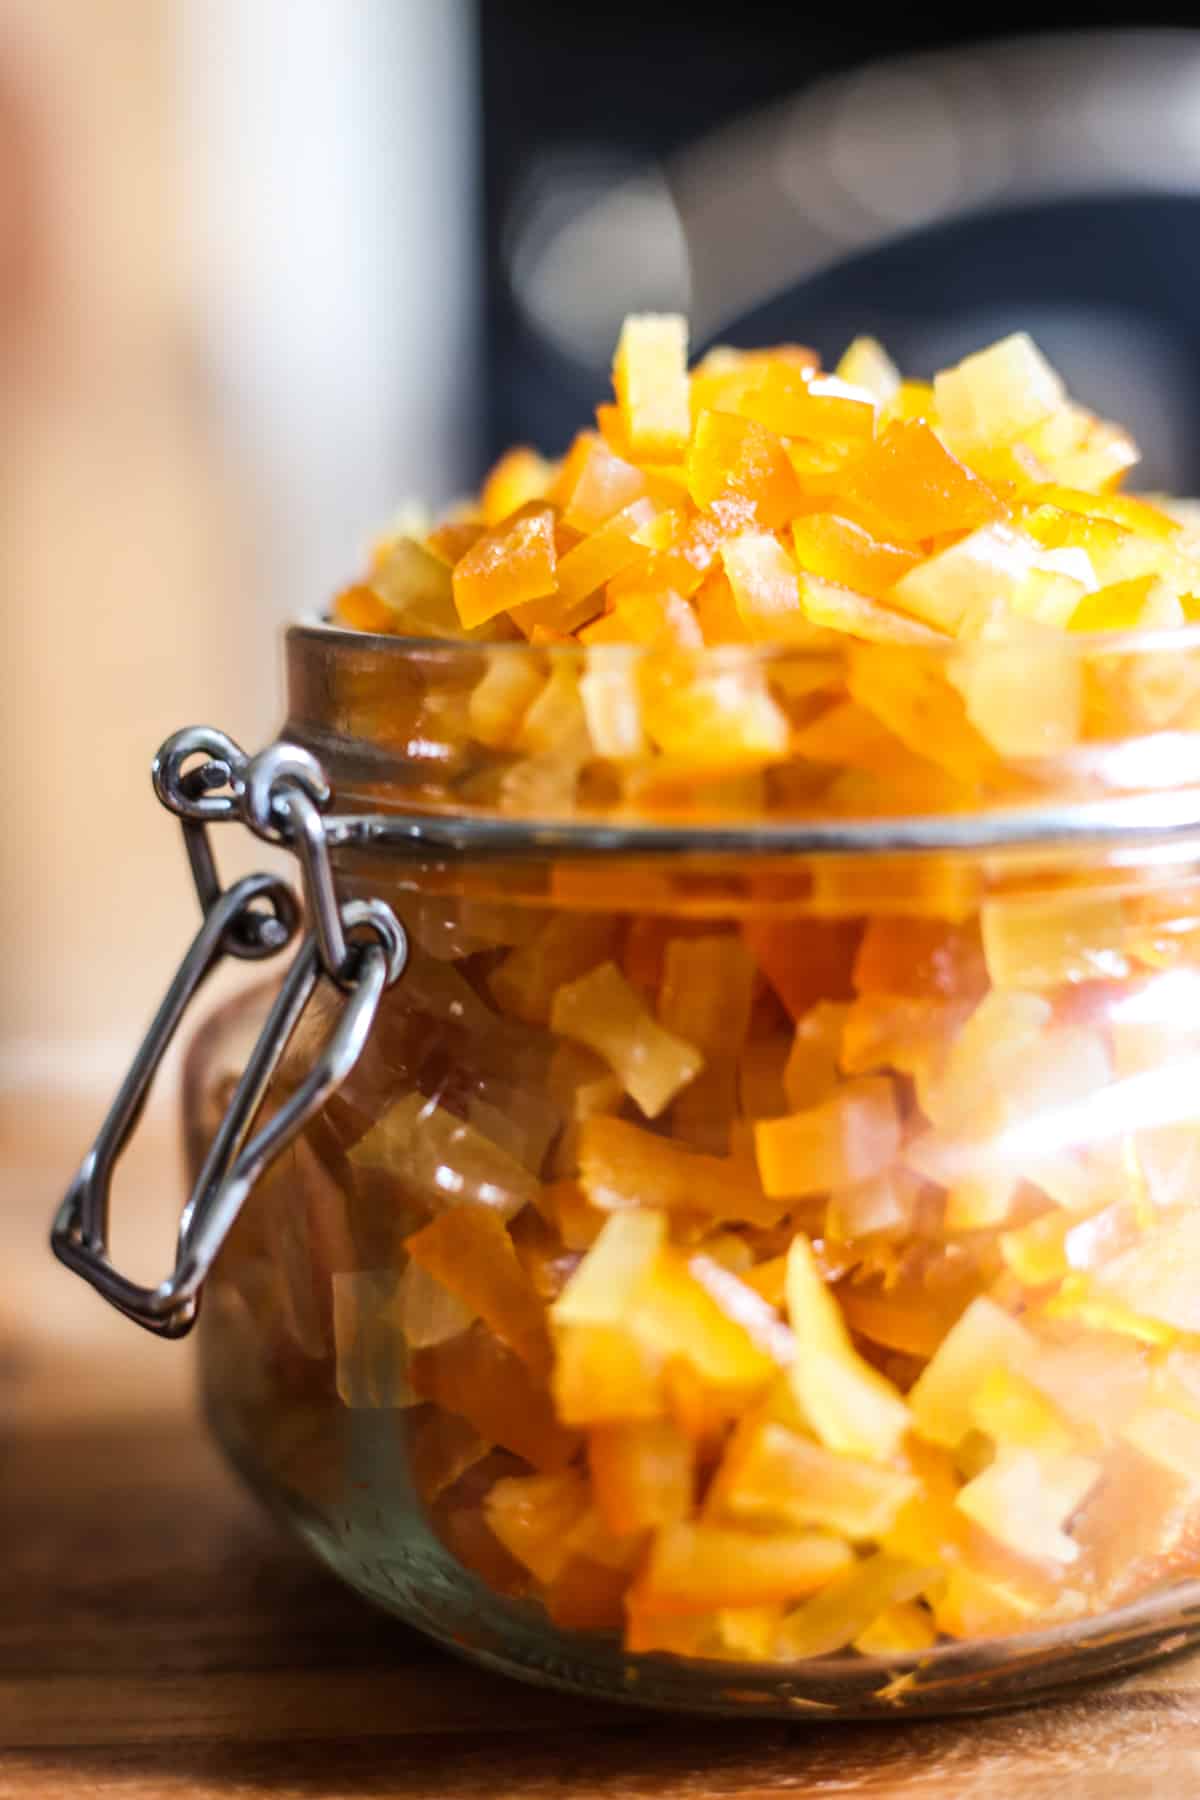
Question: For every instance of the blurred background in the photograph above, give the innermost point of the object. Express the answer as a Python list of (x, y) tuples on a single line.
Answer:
[(268, 267)]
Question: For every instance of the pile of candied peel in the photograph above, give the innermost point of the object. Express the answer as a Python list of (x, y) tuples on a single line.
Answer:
[(823, 1285), (754, 500)]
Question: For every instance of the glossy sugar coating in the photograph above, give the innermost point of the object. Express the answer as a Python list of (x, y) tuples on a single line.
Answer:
[(816, 1270), (860, 479), (887, 1341), (756, 501)]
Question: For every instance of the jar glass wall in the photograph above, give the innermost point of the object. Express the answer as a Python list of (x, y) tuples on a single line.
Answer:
[(752, 1264)]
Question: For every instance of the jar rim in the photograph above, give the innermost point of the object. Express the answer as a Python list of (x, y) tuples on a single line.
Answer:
[(1154, 802), (1081, 644), (1124, 822)]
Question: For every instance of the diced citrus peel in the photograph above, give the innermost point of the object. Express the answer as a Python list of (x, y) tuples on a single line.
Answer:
[(677, 1316), (601, 1011), (765, 585), (763, 440), (867, 365), (532, 1516), (853, 1409), (951, 586), (1011, 1410), (840, 1292), (612, 703), (605, 552), (848, 1605), (650, 377), (445, 1160), (1026, 1497), (501, 698), (696, 1568), (527, 980), (984, 1339), (738, 471), (849, 1137), (907, 487), (770, 1474), (476, 1378), (470, 1252), (899, 1630), (602, 1288), (840, 551), (604, 1375), (518, 479), (594, 484), (514, 562), (811, 1072), (370, 1354), (997, 395), (427, 1312), (621, 1164), (828, 606), (641, 1475), (707, 989), (794, 405), (1040, 941)]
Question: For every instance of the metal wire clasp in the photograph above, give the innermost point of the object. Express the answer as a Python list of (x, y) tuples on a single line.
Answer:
[(359, 945)]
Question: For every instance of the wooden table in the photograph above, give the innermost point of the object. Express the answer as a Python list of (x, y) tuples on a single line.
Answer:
[(159, 1641)]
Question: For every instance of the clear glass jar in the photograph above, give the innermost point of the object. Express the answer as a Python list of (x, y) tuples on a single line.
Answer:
[(882, 1390)]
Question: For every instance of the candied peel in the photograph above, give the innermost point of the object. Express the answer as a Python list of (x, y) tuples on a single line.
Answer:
[(808, 1267), (864, 1377), (933, 568)]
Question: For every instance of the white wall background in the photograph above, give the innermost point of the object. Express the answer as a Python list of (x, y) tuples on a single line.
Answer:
[(330, 151), (259, 336)]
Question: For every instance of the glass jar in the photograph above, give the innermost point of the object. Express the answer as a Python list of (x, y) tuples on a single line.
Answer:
[(750, 1266)]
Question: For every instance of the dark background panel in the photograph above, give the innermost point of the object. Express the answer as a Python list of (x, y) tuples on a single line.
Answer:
[(576, 99)]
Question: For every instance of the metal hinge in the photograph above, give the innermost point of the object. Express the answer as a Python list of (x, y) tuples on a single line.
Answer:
[(358, 945)]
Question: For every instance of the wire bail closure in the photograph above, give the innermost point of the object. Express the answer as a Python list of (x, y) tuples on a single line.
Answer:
[(359, 946)]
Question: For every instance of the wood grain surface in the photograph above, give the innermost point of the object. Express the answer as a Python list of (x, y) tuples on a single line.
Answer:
[(160, 1641)]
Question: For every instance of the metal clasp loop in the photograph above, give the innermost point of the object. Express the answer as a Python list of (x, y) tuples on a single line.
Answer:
[(234, 1161), (360, 946), (193, 796), (282, 795)]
